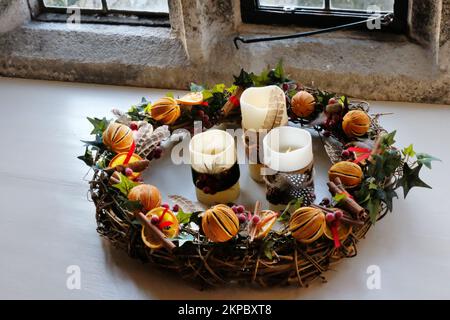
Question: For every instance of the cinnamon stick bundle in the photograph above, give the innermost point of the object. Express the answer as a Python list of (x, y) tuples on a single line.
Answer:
[(137, 166), (149, 227), (348, 203), (230, 105)]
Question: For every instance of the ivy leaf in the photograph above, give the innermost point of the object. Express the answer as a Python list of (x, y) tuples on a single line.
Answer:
[(426, 159), (244, 79), (196, 87), (218, 88), (170, 95), (87, 157), (97, 143), (183, 217), (100, 125), (125, 185), (268, 249), (373, 206), (207, 94), (388, 139), (132, 205), (231, 89), (279, 70), (183, 238), (390, 195), (410, 179), (409, 151)]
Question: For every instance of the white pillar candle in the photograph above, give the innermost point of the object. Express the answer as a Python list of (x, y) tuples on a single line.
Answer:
[(259, 103), (287, 149), (213, 152)]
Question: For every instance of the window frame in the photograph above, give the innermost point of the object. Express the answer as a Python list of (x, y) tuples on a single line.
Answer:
[(105, 15), (252, 12)]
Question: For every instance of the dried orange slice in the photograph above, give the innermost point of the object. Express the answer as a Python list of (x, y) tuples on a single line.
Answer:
[(268, 219), (120, 159), (191, 99), (168, 224), (344, 231)]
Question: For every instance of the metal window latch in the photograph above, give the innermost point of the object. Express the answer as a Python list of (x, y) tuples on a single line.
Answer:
[(385, 20)]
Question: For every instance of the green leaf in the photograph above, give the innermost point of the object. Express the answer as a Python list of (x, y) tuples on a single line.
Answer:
[(196, 87), (184, 238), (97, 143), (373, 206), (183, 217), (338, 197), (410, 179), (218, 88), (268, 249), (87, 157), (279, 70), (170, 95), (388, 139), (132, 205), (231, 89), (100, 125), (125, 185), (295, 204), (207, 94), (426, 159), (244, 79), (409, 151)]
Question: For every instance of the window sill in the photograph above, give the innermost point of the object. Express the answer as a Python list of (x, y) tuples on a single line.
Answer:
[(127, 55)]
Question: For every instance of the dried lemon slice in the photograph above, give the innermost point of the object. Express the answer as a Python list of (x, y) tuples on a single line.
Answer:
[(191, 99), (168, 224)]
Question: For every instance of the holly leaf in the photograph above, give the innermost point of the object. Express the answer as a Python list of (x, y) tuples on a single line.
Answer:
[(409, 151), (184, 238), (373, 206), (125, 185), (196, 87), (410, 179), (183, 217), (100, 125), (426, 159)]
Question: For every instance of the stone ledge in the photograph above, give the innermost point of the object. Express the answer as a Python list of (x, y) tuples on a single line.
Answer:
[(381, 69)]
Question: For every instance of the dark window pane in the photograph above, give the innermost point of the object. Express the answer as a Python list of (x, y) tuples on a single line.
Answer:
[(139, 5), (363, 5), (86, 4), (293, 3)]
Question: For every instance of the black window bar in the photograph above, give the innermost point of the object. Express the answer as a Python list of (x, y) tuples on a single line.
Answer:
[(104, 15), (327, 18)]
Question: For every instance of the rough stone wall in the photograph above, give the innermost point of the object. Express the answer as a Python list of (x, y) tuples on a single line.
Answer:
[(200, 48), (13, 13), (445, 22)]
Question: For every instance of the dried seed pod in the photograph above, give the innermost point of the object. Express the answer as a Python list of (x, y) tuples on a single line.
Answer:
[(220, 223), (303, 104), (148, 195), (356, 123), (307, 224), (118, 137), (165, 110), (350, 173)]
